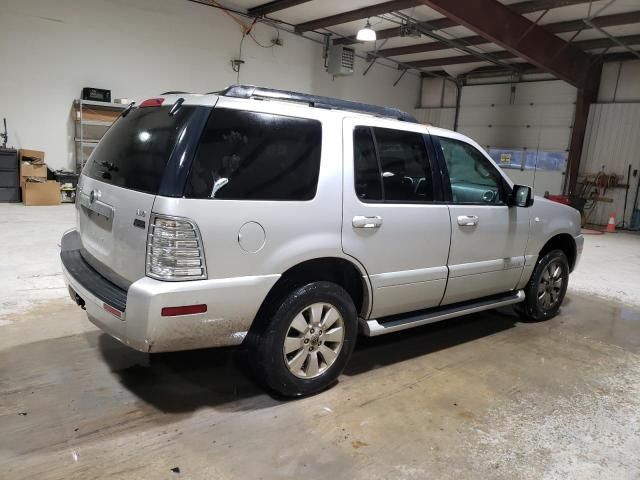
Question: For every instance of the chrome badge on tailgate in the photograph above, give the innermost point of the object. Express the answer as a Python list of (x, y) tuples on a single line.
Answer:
[(92, 202)]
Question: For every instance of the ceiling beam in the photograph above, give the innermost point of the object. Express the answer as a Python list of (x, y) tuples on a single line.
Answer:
[(430, 46), (359, 14), (458, 60), (559, 27), (522, 8), (593, 44), (525, 68), (519, 36), (626, 18), (274, 6)]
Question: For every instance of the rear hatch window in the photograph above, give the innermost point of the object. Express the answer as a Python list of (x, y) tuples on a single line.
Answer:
[(134, 152)]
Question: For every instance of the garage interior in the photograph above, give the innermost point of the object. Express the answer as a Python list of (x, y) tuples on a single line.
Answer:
[(551, 90)]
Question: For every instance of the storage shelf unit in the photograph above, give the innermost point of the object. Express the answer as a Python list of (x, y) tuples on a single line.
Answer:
[(92, 119)]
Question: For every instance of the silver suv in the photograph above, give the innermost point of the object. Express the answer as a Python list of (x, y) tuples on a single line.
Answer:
[(290, 223)]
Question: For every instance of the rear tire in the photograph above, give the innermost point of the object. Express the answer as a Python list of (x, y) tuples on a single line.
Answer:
[(546, 288), (303, 344)]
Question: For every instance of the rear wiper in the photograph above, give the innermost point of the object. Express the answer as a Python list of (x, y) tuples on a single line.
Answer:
[(127, 110), (176, 106)]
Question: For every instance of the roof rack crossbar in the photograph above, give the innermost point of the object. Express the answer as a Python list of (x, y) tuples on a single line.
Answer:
[(251, 91)]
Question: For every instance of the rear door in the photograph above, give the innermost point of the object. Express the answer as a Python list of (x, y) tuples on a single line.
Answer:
[(488, 238), (392, 221), (118, 186)]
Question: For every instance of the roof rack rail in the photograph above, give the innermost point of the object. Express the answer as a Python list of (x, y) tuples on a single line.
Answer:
[(251, 91)]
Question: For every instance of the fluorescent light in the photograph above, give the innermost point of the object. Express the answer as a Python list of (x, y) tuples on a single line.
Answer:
[(366, 34)]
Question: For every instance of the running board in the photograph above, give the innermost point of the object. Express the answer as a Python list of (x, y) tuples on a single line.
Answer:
[(395, 323)]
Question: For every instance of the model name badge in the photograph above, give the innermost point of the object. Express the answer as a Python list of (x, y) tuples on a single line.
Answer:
[(141, 213)]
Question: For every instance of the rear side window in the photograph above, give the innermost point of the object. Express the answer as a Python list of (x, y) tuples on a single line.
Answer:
[(406, 173), (134, 152), (256, 156), (391, 165)]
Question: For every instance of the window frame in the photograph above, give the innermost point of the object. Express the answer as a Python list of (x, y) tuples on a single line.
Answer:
[(504, 186), (439, 195), (319, 123)]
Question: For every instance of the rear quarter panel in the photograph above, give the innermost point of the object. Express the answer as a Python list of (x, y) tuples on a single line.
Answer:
[(295, 231)]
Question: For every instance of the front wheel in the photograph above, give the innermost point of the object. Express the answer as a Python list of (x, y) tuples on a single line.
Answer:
[(547, 287), (305, 345)]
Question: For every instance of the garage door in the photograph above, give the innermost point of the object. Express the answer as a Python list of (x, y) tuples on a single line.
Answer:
[(525, 127)]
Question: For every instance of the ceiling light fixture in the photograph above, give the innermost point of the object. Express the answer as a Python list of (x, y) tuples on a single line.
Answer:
[(366, 34)]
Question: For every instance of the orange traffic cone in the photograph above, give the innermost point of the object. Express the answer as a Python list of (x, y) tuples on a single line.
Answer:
[(611, 225)]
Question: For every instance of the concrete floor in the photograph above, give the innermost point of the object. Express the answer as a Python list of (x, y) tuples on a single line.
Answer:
[(481, 396)]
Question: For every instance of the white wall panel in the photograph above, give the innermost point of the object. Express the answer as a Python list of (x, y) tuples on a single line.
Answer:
[(140, 48), (531, 115), (620, 82), (542, 181), (517, 137), (438, 93), (485, 95), (553, 92), (438, 117), (550, 115)]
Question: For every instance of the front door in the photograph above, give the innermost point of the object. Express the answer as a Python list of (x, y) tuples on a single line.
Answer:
[(392, 221), (488, 238)]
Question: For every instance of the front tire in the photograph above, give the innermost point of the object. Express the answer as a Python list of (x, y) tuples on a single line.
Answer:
[(546, 288), (305, 345)]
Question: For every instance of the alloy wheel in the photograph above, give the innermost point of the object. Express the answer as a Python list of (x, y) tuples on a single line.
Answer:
[(550, 286), (313, 340)]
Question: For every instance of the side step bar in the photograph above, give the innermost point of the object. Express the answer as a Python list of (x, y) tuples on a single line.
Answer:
[(395, 323)]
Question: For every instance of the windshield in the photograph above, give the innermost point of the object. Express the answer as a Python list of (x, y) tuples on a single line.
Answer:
[(134, 152)]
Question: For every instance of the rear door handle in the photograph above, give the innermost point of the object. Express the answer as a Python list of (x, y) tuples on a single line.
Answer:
[(366, 222), (468, 220)]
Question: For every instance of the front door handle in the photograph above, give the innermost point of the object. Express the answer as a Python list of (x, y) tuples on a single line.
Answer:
[(468, 220), (366, 222)]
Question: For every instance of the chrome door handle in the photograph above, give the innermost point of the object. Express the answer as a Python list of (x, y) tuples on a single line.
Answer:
[(468, 220), (366, 222)]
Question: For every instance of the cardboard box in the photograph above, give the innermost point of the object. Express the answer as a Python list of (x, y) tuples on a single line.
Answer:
[(35, 157), (36, 193), (28, 169)]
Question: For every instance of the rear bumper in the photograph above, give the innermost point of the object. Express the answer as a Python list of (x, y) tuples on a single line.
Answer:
[(134, 316)]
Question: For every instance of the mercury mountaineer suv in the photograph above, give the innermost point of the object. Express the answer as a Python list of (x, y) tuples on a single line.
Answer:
[(291, 223)]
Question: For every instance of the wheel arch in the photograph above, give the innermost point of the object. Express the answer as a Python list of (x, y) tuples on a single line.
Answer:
[(564, 242), (346, 273)]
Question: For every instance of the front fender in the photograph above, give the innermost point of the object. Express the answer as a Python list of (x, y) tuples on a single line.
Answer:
[(549, 219)]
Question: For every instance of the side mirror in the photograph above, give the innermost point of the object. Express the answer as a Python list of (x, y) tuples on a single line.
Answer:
[(521, 196)]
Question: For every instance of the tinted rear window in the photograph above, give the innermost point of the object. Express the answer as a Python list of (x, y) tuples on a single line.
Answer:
[(134, 152), (256, 156)]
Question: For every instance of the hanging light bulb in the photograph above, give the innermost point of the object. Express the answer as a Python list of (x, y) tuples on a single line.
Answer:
[(366, 34)]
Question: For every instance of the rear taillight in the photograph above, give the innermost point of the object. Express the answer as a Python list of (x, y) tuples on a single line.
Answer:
[(174, 250), (152, 102)]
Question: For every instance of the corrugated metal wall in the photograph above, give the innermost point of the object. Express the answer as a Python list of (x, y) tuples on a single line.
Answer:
[(613, 142), (438, 101)]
